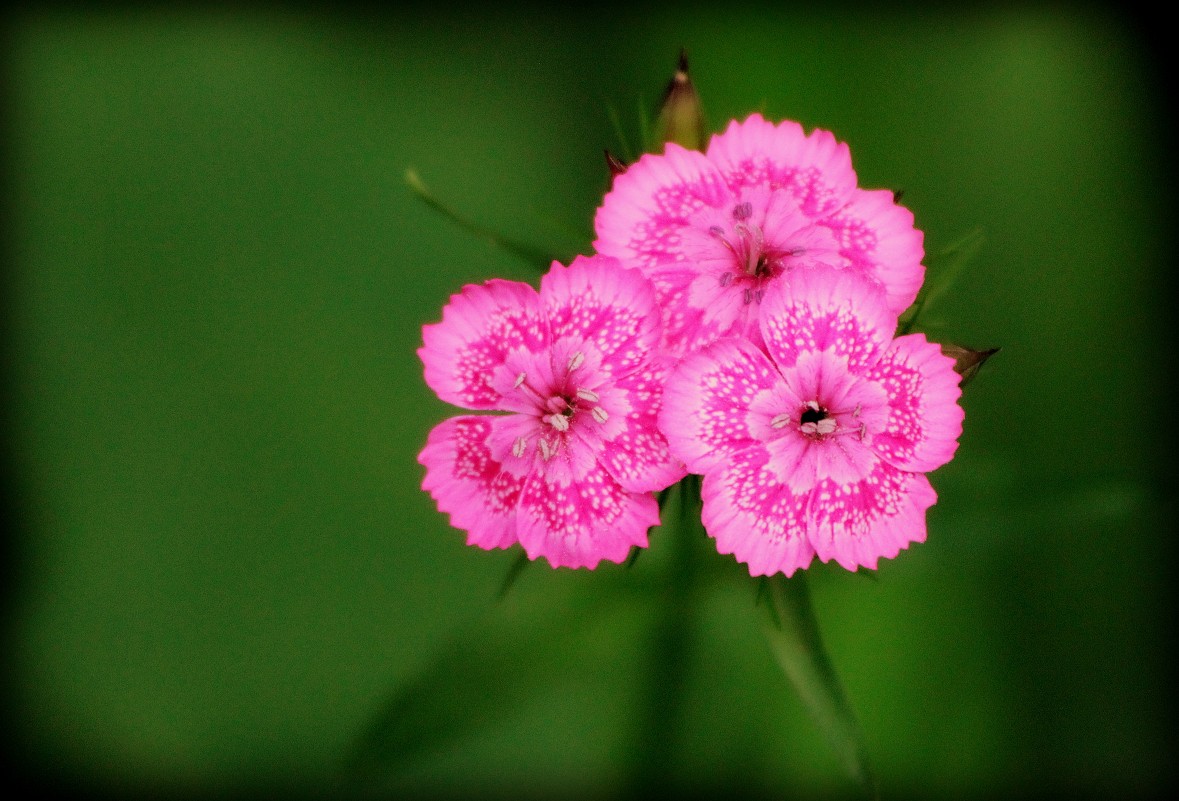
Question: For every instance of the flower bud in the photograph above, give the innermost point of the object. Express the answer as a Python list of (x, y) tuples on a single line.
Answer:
[(680, 117)]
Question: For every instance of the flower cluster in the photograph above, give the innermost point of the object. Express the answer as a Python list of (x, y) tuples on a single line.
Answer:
[(738, 321)]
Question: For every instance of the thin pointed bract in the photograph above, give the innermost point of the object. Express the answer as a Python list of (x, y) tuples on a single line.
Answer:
[(968, 361), (535, 256), (793, 635), (616, 123)]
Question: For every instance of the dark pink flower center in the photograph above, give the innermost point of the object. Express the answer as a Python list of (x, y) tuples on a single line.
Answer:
[(559, 409), (815, 422), (755, 261)]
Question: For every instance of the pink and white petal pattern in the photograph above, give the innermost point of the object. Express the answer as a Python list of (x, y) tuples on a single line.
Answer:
[(482, 328), (818, 307), (754, 515), (718, 401), (580, 517), (642, 217), (606, 308), (878, 237), (815, 168), (856, 524), (469, 483), (638, 456), (924, 418)]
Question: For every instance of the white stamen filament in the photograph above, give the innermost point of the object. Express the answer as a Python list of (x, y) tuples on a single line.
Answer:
[(599, 414), (576, 360), (519, 380), (588, 395)]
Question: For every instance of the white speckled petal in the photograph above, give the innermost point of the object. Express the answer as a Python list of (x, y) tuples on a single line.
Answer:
[(876, 517), (824, 308), (467, 476), (754, 515), (717, 400), (611, 309), (483, 329), (924, 418), (578, 516), (637, 455)]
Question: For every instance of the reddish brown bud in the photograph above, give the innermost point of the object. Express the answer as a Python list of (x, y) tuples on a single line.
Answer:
[(616, 166)]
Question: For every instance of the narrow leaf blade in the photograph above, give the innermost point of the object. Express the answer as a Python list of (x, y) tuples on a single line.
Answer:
[(793, 636)]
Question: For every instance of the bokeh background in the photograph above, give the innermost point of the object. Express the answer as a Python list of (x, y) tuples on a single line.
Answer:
[(223, 567)]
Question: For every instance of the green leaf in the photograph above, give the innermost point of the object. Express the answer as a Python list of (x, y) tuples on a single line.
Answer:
[(541, 259), (941, 273), (793, 635), (478, 677)]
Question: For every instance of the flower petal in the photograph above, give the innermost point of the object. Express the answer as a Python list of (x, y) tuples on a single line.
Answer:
[(718, 401), (856, 524), (878, 237), (816, 169), (466, 476), (637, 454), (484, 330), (819, 307), (924, 418), (641, 218), (598, 304), (577, 516), (753, 515)]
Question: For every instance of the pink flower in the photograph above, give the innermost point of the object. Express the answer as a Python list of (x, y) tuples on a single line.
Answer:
[(569, 472), (821, 445), (715, 230)]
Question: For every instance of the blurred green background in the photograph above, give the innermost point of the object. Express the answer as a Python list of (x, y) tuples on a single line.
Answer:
[(224, 565)]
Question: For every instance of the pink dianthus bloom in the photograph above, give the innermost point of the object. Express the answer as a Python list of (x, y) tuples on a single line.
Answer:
[(820, 444), (570, 471), (715, 230)]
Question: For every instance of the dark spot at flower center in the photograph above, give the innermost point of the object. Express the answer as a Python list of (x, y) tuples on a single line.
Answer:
[(813, 415)]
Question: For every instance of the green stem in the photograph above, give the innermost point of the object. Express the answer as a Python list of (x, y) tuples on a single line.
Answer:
[(662, 708), (793, 635)]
